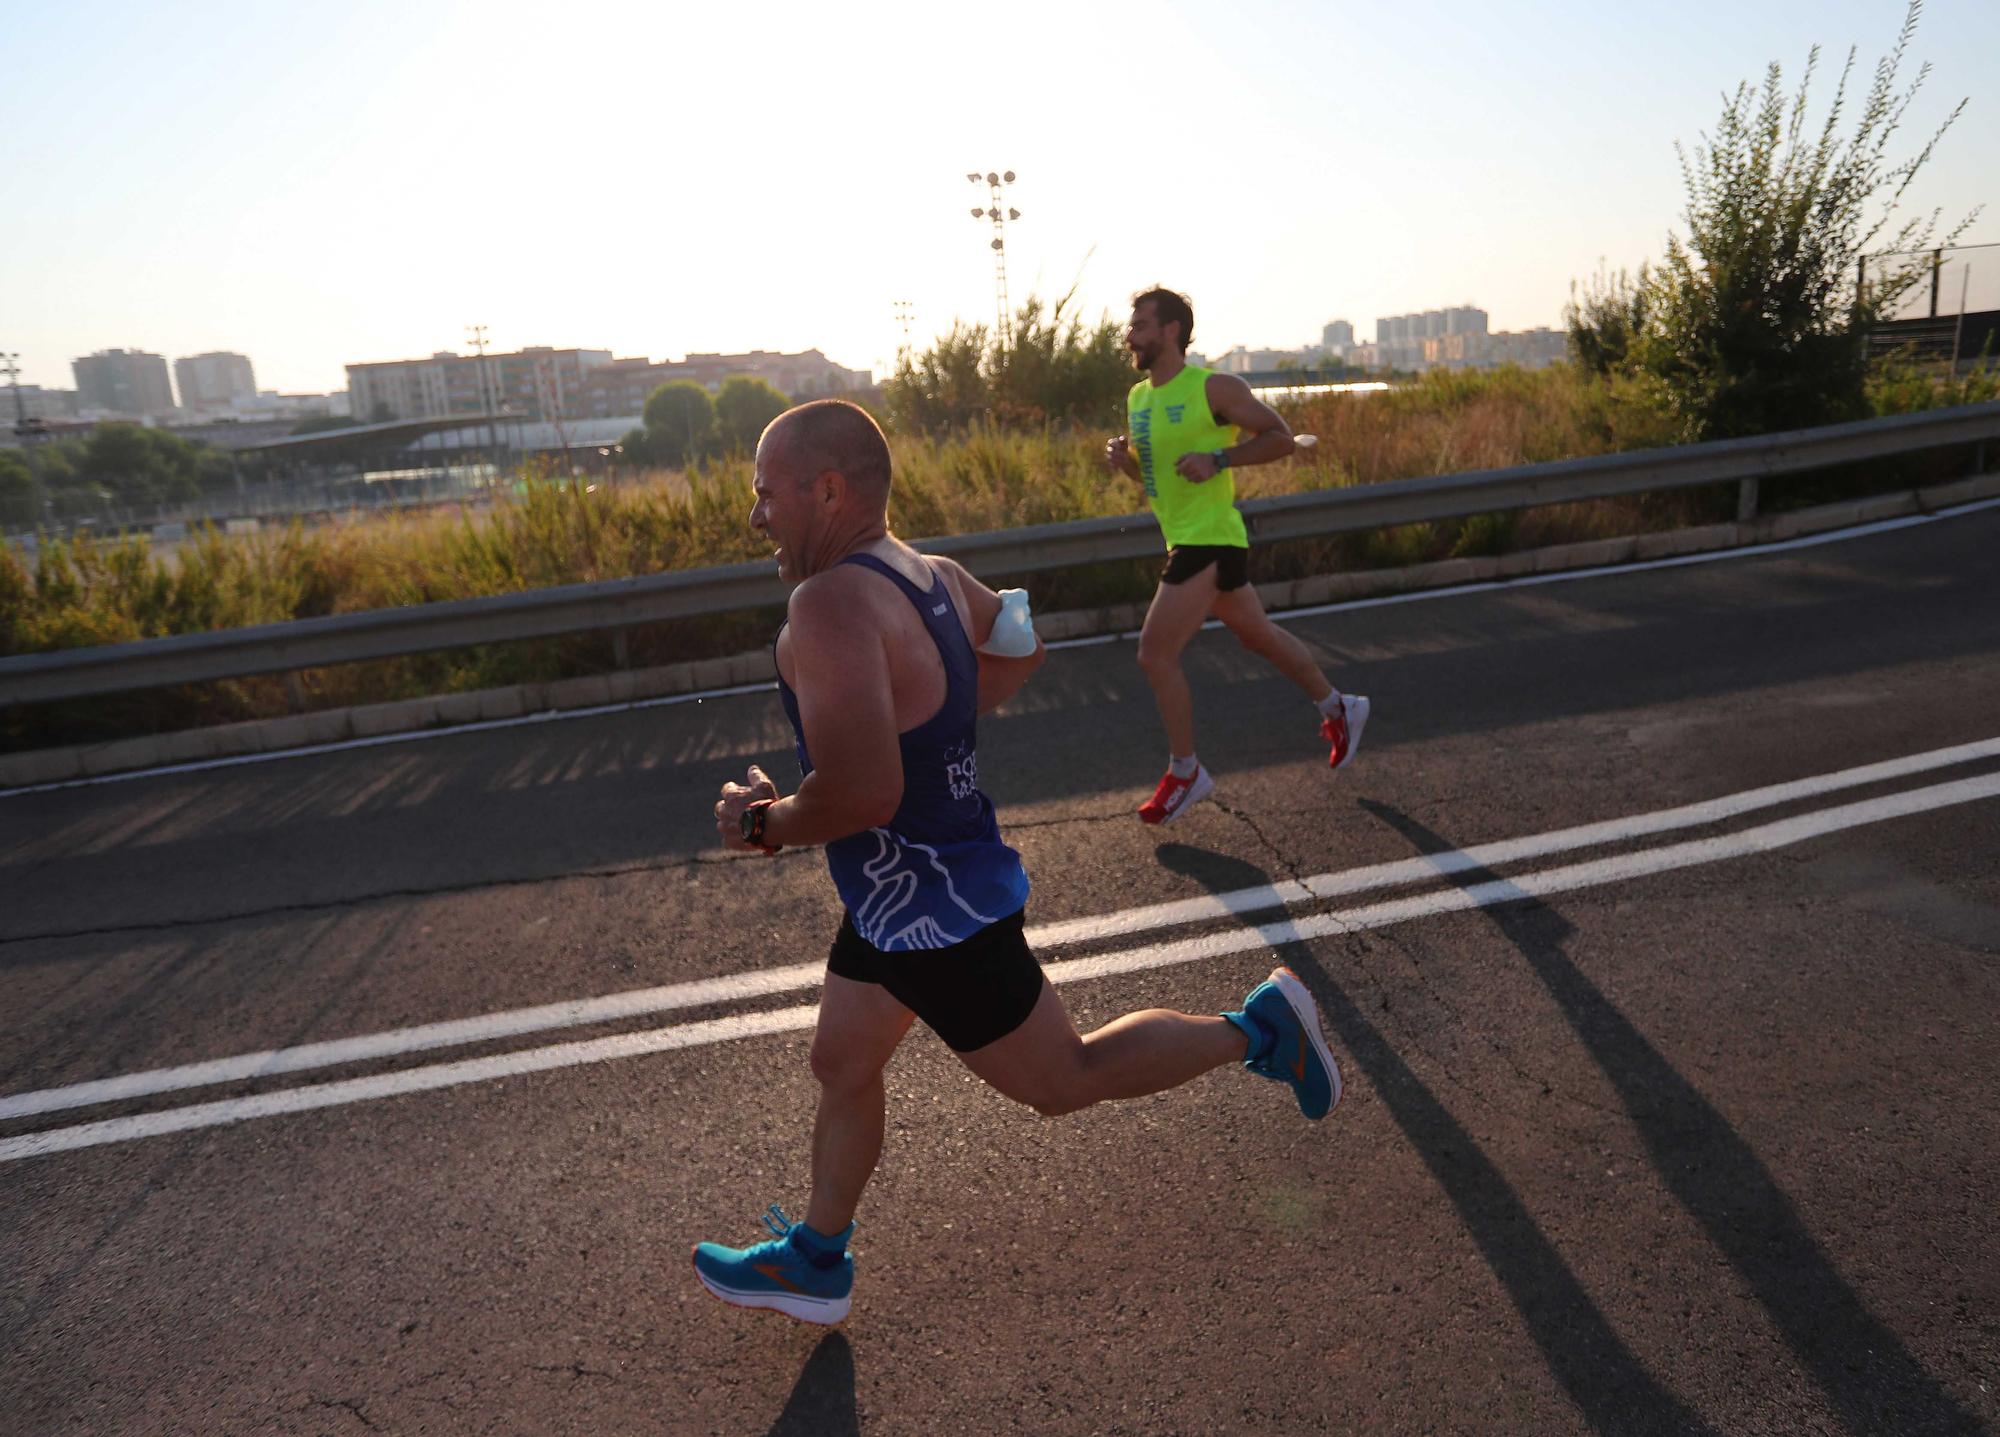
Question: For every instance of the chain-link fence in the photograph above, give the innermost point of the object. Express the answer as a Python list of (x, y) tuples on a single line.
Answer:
[(1934, 283), (1937, 305)]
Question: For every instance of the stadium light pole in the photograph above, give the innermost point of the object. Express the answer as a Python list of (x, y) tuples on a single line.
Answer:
[(999, 214), (475, 335)]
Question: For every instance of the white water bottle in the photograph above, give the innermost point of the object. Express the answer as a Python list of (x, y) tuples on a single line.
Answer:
[(1013, 635)]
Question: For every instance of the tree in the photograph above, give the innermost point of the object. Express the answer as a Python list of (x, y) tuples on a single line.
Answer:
[(1606, 321), (1756, 321), (943, 387), (744, 405), (19, 504), (1054, 369), (635, 450), (679, 416)]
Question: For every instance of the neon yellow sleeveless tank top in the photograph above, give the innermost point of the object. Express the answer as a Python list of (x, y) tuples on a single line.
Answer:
[(1162, 425)]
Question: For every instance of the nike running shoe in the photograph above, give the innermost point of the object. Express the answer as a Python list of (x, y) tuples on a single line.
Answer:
[(778, 1274), (1344, 732), (1175, 796), (1294, 1050)]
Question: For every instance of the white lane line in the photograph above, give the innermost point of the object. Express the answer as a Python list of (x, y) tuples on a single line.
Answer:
[(1751, 551), (414, 1080), (1616, 869), (1321, 887), (573, 1013)]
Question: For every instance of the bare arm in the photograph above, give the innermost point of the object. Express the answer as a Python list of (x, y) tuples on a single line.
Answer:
[(848, 714), (1000, 678), (1269, 437), (1118, 457)]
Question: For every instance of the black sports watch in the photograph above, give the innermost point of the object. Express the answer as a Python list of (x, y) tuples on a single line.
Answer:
[(752, 820), (1221, 458)]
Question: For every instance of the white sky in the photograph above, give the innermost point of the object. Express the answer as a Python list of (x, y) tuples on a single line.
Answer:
[(361, 181)]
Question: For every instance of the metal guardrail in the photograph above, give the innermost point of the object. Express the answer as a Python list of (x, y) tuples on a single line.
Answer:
[(621, 603)]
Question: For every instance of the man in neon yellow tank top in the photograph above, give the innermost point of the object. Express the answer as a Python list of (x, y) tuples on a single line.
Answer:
[(1187, 428)]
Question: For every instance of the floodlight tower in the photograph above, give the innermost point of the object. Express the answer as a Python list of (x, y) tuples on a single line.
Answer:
[(475, 335), (906, 313), (995, 212)]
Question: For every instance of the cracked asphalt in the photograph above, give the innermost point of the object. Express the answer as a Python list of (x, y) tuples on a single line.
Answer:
[(1702, 1151)]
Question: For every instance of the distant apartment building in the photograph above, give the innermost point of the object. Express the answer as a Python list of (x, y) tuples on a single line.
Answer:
[(538, 382), (128, 383), (1337, 339), (545, 384), (31, 401), (214, 382), (1456, 339), (1400, 339), (621, 386), (1527, 348), (1258, 361)]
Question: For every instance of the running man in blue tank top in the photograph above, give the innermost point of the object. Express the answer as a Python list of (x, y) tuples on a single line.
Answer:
[(883, 673)]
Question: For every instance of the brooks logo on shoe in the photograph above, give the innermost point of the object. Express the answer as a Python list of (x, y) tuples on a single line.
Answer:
[(776, 1274)]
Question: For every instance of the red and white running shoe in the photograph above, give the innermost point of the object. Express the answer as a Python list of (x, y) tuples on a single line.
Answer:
[(1344, 732), (1175, 796)]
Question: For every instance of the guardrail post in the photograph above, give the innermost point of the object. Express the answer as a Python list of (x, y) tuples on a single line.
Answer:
[(1746, 501), (295, 692), (621, 653)]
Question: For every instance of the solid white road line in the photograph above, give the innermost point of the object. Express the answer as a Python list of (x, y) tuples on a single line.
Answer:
[(575, 1013), (1616, 869), (1323, 886), (1319, 888), (1809, 541)]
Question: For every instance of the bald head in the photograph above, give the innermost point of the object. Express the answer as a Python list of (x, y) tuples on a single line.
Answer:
[(830, 434)]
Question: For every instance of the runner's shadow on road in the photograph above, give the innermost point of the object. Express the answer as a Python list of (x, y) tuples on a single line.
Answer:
[(822, 1401), (1868, 1376), (1611, 1387)]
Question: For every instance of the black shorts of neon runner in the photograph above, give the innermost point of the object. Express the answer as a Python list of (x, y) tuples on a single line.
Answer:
[(970, 994), (1232, 564)]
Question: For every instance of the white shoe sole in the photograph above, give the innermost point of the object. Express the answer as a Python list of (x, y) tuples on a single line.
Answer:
[(1356, 708), (1302, 1004), (1201, 788), (822, 1310)]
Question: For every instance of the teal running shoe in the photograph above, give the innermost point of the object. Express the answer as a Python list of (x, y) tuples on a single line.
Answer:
[(1286, 1043), (779, 1274)]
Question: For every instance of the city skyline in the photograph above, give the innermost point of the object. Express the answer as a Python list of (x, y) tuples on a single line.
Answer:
[(1372, 165)]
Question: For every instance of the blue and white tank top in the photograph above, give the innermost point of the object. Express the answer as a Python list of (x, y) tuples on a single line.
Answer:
[(938, 873)]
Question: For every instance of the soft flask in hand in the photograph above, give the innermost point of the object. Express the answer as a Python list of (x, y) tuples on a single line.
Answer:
[(1013, 635)]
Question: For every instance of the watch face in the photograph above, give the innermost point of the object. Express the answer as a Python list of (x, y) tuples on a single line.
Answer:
[(748, 822)]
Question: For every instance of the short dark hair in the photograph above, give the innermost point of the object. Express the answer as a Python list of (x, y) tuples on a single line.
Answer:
[(837, 434), (1170, 307)]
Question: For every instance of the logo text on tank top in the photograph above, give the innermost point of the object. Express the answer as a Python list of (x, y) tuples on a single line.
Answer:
[(1142, 440), (962, 773)]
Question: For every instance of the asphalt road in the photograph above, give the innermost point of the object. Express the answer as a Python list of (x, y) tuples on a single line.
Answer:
[(1676, 1125)]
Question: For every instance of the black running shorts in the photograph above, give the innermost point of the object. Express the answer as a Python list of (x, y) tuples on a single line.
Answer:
[(969, 994), (1184, 561)]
